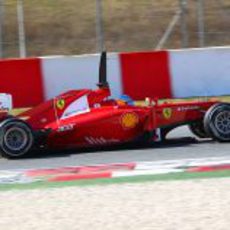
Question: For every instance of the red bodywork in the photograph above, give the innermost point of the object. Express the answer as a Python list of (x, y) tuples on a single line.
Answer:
[(83, 118)]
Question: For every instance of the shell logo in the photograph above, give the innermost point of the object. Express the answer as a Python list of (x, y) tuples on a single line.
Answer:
[(129, 120)]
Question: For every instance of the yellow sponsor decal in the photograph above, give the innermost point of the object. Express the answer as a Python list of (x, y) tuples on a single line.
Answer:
[(129, 120), (60, 103), (167, 113)]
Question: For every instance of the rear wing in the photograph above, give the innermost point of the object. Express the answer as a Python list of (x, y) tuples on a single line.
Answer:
[(6, 102)]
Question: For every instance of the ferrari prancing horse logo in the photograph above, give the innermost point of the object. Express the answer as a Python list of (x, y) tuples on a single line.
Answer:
[(167, 113), (60, 103)]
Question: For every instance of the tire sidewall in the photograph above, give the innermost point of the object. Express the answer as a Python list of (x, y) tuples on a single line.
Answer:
[(209, 121), (6, 151), (197, 128)]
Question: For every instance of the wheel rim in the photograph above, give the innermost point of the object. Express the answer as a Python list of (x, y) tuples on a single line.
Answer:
[(15, 139), (222, 122)]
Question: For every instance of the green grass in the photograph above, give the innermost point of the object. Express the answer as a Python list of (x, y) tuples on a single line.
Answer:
[(135, 179)]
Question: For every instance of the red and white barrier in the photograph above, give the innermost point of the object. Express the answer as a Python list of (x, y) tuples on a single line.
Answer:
[(22, 78), (177, 73), (78, 72), (200, 72), (146, 74), (162, 74)]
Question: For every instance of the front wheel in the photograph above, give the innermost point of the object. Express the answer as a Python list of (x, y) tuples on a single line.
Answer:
[(197, 128), (217, 122), (16, 138)]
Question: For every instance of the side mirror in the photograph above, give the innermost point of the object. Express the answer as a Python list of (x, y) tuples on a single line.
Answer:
[(6, 102)]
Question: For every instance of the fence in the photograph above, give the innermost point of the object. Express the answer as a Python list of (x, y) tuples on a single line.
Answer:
[(76, 27)]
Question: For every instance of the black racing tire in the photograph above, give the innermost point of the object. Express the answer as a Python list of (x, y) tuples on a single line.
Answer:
[(197, 128), (217, 122), (16, 138)]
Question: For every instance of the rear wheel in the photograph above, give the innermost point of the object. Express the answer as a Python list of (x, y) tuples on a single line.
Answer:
[(16, 138), (217, 122), (197, 128)]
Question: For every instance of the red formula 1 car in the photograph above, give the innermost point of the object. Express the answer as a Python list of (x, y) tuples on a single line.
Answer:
[(84, 118)]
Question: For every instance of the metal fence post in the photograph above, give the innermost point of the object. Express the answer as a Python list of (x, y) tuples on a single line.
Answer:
[(184, 27), (169, 30), (99, 26), (21, 29), (200, 22)]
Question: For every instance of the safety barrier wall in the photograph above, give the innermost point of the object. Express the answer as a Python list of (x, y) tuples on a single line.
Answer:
[(22, 78), (76, 72), (146, 74), (177, 73), (163, 74), (200, 72)]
